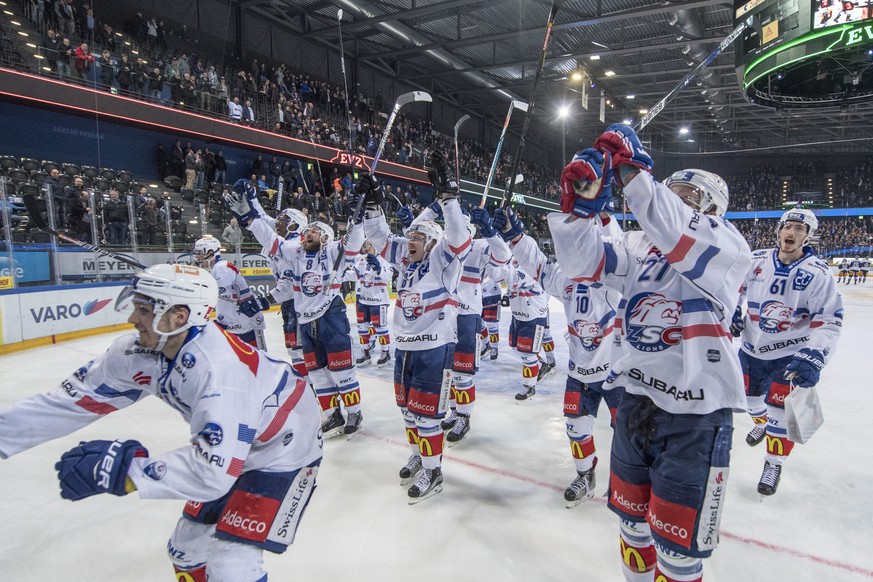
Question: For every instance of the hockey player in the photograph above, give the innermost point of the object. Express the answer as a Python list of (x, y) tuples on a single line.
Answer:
[(243, 479), (491, 295), (232, 291), (321, 313), (425, 321), (855, 270), (843, 271), (789, 333), (590, 316), (373, 275), (865, 266), (679, 278)]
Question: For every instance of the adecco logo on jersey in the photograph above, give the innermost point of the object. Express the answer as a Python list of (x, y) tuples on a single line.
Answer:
[(60, 311)]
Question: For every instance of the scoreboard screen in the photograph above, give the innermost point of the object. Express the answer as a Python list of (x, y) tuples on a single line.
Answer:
[(833, 12), (773, 22)]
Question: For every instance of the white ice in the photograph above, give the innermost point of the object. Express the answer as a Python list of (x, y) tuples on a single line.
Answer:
[(501, 515)]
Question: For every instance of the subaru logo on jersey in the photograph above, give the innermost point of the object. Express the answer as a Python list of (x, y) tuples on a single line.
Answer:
[(749, 347), (188, 360), (775, 317), (653, 322), (589, 334), (802, 280), (212, 434), (310, 284), (411, 305), (156, 470)]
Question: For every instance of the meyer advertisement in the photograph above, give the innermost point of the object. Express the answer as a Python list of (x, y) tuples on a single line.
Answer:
[(85, 265)]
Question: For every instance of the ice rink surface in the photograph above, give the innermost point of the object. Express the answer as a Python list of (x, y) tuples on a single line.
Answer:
[(501, 515)]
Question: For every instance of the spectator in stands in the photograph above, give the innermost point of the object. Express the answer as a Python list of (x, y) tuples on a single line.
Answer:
[(79, 217), (234, 110), (124, 74), (65, 17), (150, 221), (190, 169), (221, 93), (155, 85), (199, 170), (117, 219), (220, 168), (65, 58), (107, 64), (232, 233), (275, 170), (319, 204), (248, 114), (163, 161), (51, 48), (59, 197), (84, 62)]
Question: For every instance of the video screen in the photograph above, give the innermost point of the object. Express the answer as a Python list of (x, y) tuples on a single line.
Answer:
[(771, 21), (834, 12)]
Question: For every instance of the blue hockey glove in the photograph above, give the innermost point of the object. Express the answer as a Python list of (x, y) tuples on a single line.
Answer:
[(245, 188), (737, 323), (373, 261), (238, 204), (805, 367), (436, 209), (254, 305), (481, 218), (622, 143), (507, 223), (98, 467), (586, 185), (404, 214)]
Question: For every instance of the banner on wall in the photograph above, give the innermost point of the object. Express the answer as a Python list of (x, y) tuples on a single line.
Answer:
[(28, 267), (85, 265)]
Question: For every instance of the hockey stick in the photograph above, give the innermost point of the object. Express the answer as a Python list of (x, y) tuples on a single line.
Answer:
[(556, 5), (38, 221), (458, 125), (260, 340), (515, 104), (339, 21), (280, 190), (729, 40), (404, 99), (318, 164)]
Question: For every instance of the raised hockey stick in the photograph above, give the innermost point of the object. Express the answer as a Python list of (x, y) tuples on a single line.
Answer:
[(458, 125), (38, 221), (519, 151), (404, 99), (279, 191), (339, 24), (729, 39), (514, 105)]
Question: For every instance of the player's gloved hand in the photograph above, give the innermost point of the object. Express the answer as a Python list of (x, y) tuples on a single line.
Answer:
[(507, 222), (481, 218), (622, 143), (254, 305), (371, 190), (441, 177), (98, 467), (436, 209), (805, 367), (239, 204), (373, 261), (737, 323), (586, 185), (504, 301), (404, 214)]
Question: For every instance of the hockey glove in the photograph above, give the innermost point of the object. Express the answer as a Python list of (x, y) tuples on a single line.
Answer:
[(737, 323), (481, 218), (239, 206), (373, 261), (371, 190), (507, 222), (245, 188), (404, 214), (441, 177), (254, 305), (627, 152), (98, 467), (504, 301), (586, 185), (805, 367)]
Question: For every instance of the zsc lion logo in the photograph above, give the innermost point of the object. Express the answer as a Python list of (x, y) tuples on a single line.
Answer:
[(589, 334), (653, 322), (775, 317), (310, 284), (411, 305)]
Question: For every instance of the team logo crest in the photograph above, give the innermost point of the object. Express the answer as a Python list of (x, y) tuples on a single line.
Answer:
[(653, 322), (310, 283), (775, 317), (188, 360), (212, 434), (411, 305), (156, 470), (589, 334)]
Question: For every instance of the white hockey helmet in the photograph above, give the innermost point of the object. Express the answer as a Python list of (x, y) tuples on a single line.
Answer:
[(803, 215), (294, 217), (324, 227), (712, 189), (167, 286), (207, 251), (431, 230)]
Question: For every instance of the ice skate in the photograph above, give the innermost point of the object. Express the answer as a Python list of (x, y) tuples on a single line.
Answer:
[(383, 359), (333, 425), (769, 478), (449, 421), (429, 483), (460, 430), (756, 435), (546, 370), (353, 423), (581, 489), (493, 353), (526, 394), (484, 350), (410, 470), (364, 360)]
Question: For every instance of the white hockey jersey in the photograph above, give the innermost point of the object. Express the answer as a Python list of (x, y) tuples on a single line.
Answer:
[(246, 411), (680, 280), (425, 314), (590, 313), (372, 287), (527, 298), (280, 266), (790, 306), (310, 272), (232, 289), (490, 287)]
